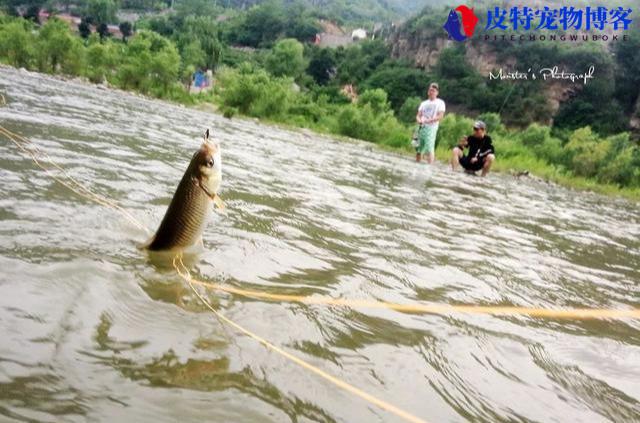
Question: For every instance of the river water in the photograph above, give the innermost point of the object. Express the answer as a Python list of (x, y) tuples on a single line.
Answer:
[(92, 330)]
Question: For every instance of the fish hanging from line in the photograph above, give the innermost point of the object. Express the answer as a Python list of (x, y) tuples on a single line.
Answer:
[(190, 206)]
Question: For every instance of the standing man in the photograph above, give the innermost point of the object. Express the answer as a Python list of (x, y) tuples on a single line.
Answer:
[(429, 115), (481, 153)]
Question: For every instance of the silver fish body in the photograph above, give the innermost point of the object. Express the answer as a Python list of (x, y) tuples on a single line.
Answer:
[(186, 217)]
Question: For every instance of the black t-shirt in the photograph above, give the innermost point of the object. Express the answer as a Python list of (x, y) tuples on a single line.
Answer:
[(480, 147)]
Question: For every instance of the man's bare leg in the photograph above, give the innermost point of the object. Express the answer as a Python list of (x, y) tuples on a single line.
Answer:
[(455, 158), (418, 157), (430, 157), (487, 164)]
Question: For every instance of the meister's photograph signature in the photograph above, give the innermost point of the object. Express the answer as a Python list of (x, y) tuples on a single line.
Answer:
[(546, 74)]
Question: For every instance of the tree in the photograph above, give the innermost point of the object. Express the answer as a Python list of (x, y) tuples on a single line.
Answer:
[(535, 135), (144, 5), (186, 8), (58, 49), (165, 68), (627, 80), (101, 60), (585, 152), (163, 25), (254, 92), (203, 30), (304, 29), (452, 64), (623, 166), (193, 58), (260, 26), (286, 58), (103, 30), (102, 11), (584, 107), (192, 54), (33, 13), (357, 62), (151, 63), (376, 98), (322, 65), (85, 27), (409, 109), (126, 29), (399, 81), (16, 42), (493, 122)]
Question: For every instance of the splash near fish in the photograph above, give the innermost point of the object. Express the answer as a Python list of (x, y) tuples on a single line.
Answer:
[(186, 217)]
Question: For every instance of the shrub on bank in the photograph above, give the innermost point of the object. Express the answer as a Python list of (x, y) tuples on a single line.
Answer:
[(254, 92), (452, 128), (17, 42), (101, 60), (57, 50), (409, 109), (151, 64)]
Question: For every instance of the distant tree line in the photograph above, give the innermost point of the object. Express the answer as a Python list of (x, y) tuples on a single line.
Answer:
[(281, 76)]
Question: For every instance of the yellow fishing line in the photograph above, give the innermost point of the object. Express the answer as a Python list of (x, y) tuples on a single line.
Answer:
[(81, 190), (21, 141), (326, 376), (577, 313), (77, 187)]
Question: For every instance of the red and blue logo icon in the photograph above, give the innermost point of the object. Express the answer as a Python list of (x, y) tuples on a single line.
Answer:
[(461, 22), (461, 28)]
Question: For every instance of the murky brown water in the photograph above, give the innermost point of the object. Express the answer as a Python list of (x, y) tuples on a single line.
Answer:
[(91, 331)]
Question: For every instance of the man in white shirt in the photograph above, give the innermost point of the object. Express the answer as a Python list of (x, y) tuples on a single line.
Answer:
[(430, 113)]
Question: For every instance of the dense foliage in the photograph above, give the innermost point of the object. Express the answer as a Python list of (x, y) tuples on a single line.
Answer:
[(581, 153), (266, 68), (617, 77)]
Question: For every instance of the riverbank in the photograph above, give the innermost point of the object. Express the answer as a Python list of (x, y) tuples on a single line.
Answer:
[(522, 165), (529, 168), (381, 113), (309, 217)]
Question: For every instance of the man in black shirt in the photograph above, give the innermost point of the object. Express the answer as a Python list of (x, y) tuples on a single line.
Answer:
[(481, 153)]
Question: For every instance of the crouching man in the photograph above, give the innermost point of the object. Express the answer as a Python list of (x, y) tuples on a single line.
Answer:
[(481, 154)]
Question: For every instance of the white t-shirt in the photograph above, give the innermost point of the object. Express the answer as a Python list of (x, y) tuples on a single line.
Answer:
[(429, 109)]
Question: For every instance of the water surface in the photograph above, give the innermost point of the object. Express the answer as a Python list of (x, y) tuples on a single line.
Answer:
[(92, 331)]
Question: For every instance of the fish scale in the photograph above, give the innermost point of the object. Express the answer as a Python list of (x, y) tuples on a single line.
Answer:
[(185, 218)]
